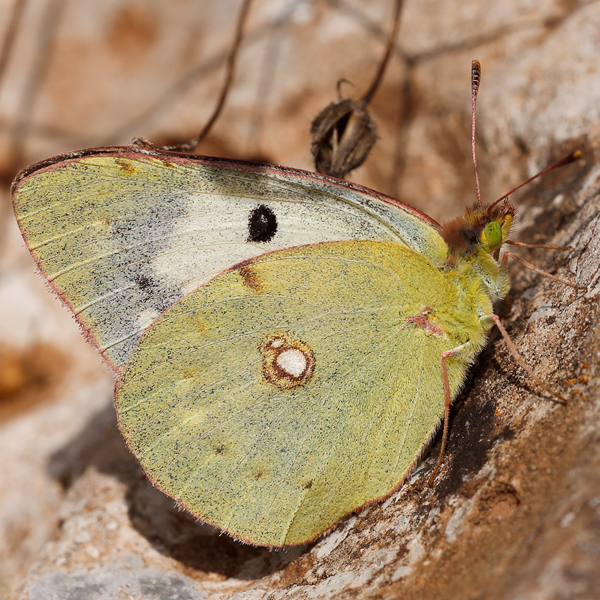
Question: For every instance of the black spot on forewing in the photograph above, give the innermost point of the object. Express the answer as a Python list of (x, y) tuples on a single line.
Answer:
[(262, 224), (143, 281)]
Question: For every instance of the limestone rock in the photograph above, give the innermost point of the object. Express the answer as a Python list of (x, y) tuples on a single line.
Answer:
[(515, 511)]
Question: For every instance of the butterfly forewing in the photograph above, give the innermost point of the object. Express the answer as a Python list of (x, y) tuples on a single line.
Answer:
[(122, 234)]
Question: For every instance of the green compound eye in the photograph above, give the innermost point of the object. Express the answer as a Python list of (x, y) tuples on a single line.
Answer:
[(493, 234)]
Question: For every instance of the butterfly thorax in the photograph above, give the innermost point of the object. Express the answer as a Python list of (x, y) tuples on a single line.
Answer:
[(471, 300)]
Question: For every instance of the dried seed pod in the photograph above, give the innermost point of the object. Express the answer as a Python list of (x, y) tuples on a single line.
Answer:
[(342, 136), (344, 132)]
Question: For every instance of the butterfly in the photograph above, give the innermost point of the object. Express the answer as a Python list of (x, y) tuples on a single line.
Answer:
[(286, 343)]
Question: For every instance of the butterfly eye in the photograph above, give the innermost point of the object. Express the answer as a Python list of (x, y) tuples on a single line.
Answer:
[(493, 234)]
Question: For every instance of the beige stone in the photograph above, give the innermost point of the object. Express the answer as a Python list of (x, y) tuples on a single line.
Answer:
[(515, 511)]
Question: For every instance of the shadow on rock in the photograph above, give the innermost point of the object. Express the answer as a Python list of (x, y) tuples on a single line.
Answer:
[(172, 532)]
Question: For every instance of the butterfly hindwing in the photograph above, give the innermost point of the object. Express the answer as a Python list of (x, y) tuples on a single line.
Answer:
[(293, 388), (124, 233)]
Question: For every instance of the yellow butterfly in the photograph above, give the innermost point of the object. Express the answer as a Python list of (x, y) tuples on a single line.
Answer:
[(286, 343)]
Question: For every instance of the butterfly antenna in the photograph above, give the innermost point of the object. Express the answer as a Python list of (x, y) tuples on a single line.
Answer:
[(475, 81), (567, 160)]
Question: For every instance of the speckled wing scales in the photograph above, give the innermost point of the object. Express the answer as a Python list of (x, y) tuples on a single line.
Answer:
[(291, 389), (123, 233)]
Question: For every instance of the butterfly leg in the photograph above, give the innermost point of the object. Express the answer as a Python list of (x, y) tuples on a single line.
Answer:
[(535, 269), (447, 403), (495, 319)]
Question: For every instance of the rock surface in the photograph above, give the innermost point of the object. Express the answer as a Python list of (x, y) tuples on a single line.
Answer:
[(515, 510)]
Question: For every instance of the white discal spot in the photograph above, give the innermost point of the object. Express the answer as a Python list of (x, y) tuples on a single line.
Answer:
[(287, 362), (292, 361)]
